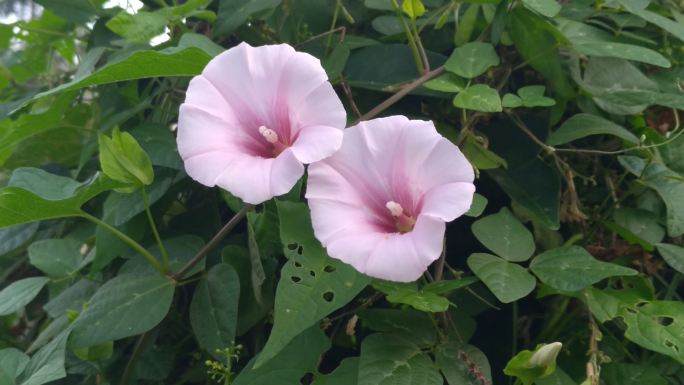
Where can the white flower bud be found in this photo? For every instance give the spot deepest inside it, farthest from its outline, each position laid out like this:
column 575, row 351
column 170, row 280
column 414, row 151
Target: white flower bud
column 546, row 355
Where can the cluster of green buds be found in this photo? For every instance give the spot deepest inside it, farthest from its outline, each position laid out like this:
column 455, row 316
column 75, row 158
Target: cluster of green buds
column 221, row 371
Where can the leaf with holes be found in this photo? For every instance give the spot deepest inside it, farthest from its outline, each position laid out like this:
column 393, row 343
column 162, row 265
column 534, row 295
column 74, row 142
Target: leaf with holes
column 312, row 285
column 389, row 359
column 214, row 308
column 572, row 268
column 656, row 325
column 503, row 234
column 506, row 280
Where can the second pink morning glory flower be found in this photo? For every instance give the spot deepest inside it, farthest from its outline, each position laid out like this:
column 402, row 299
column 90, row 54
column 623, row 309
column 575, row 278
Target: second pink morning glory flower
column 254, row 117
column 381, row 202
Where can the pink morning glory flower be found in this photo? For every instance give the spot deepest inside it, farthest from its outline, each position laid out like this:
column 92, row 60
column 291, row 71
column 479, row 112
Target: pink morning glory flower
column 381, row 202
column 253, row 118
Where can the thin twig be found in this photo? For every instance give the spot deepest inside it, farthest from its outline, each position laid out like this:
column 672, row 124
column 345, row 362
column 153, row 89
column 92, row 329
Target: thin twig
column 403, row 92
column 324, row 34
column 212, row 243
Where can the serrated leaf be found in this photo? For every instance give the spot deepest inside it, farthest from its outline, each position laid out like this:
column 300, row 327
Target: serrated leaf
column 125, row 306
column 312, row 285
column 472, row 59
column 214, row 309
column 503, row 234
column 388, row 359
column 572, row 268
column 19, row 293
column 583, row 125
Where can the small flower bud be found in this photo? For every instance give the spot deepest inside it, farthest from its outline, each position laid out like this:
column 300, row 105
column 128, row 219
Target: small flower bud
column 546, row 355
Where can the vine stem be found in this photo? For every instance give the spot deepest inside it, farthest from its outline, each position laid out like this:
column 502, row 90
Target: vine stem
column 137, row 350
column 126, row 239
column 212, row 243
column 400, row 94
column 162, row 249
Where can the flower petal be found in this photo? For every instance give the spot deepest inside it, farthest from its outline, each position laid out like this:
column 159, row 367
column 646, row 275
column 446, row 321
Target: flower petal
column 405, row 257
column 448, row 201
column 200, row 131
column 256, row 180
column 317, row 142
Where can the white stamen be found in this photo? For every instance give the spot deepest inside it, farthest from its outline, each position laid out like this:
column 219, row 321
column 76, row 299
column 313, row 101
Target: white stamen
column 270, row 135
column 394, row 208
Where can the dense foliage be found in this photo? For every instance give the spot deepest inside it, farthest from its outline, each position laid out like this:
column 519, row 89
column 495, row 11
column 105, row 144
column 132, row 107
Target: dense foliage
column 116, row 268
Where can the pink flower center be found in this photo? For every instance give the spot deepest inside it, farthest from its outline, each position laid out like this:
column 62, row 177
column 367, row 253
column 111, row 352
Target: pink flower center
column 272, row 137
column 404, row 223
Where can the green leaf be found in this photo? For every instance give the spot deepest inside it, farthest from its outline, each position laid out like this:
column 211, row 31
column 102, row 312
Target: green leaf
column 408, row 294
column 47, row 364
column 533, row 96
column 621, row 51
column 558, row 377
column 56, row 257
column 79, row 11
column 125, row 306
column 503, row 234
column 451, row 357
column 673, row 255
column 537, row 42
column 446, row 83
column 234, row 13
column 621, row 373
column 638, row 226
column 572, row 268
column 443, row 287
column 12, row 363
column 299, row 357
column 180, row 249
column 187, row 59
column 13, row 237
column 414, row 325
column 583, row 125
column 669, row 25
column 666, row 183
column 214, row 309
column 479, row 156
column 548, row 8
column 478, row 206
column 140, row 27
column 47, row 196
column 388, row 359
column 19, row 293
column 335, row 62
column 312, row 285
column 345, row 374
column 479, row 97
column 472, row 60
column 605, row 303
column 656, row 325
column 413, row 8
column 123, row 160
column 160, row 144
column 511, row 101
column 508, row 281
